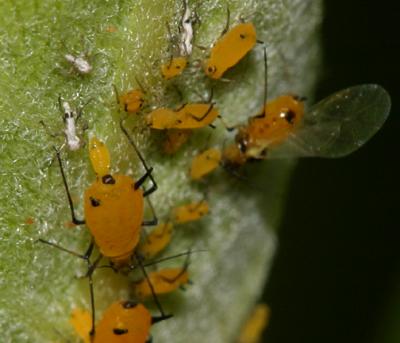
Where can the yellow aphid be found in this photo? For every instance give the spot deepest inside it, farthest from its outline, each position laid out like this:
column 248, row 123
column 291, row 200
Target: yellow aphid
column 114, row 215
column 163, row 281
column 230, row 49
column 174, row 139
column 132, row 101
column 99, row 157
column 81, row 320
column 205, row 163
column 174, row 67
column 253, row 328
column 278, row 119
column 156, row 241
column 190, row 116
column 190, row 212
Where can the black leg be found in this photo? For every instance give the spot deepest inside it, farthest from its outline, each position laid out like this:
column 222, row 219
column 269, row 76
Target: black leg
column 154, row 220
column 71, row 205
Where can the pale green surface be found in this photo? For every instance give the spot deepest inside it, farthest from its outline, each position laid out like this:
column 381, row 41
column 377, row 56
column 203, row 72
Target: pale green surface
column 38, row 285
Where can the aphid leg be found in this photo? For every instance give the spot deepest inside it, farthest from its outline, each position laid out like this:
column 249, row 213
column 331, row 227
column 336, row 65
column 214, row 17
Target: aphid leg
column 157, row 302
column 80, row 110
column 154, row 220
column 71, row 204
column 91, row 267
column 140, row 85
column 228, row 18
column 226, row 126
column 48, row 130
column 149, row 171
column 204, row 115
column 184, row 269
column 155, row 262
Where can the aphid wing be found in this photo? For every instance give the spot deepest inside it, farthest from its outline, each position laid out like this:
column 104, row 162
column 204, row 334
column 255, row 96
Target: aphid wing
column 339, row 124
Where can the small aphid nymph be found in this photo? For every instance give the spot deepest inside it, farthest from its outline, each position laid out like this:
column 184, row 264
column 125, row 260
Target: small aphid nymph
column 70, row 116
column 185, row 45
column 79, row 63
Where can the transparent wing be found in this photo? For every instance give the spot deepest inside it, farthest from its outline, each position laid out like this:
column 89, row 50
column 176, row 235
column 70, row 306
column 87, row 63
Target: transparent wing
column 339, row 124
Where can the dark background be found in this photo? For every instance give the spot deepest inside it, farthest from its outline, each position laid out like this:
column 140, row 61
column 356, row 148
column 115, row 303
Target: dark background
column 338, row 265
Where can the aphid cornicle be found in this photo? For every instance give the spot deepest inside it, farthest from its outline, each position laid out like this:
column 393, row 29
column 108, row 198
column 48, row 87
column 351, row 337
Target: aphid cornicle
column 230, row 48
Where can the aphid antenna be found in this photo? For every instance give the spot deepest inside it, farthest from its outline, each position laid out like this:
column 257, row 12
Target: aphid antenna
column 70, row 202
column 139, row 84
column 156, row 300
column 168, row 258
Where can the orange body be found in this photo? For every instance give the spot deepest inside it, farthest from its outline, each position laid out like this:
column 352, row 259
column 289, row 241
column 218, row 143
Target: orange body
column 190, row 116
column 205, row 163
column 114, row 215
column 99, row 157
column 174, row 139
column 163, row 281
column 253, row 328
column 156, row 241
column 190, row 212
column 81, row 320
column 230, row 49
column 278, row 119
column 174, row 67
column 124, row 322
column 132, row 101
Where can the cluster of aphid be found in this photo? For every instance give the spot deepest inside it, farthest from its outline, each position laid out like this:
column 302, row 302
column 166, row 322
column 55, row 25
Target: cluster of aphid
column 334, row 127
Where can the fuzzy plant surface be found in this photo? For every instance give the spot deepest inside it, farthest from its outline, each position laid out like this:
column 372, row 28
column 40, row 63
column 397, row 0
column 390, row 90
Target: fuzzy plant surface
column 125, row 41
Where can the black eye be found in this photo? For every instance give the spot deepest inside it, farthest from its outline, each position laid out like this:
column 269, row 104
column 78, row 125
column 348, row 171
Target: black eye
column 211, row 69
column 120, row 331
column 242, row 36
column 129, row 304
column 290, row 116
column 108, row 180
column 94, row 202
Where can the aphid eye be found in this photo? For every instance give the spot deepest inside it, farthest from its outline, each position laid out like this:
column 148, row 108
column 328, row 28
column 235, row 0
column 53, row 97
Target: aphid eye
column 242, row 147
column 120, row 331
column 290, row 116
column 129, row 304
column 178, row 67
column 94, row 202
column 242, row 36
column 211, row 69
column 108, row 180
